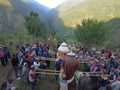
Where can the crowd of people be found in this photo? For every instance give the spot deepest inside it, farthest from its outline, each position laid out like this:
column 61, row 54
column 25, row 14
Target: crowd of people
column 28, row 59
column 105, row 61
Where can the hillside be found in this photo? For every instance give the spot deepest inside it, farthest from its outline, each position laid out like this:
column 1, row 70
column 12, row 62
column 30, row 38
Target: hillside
column 99, row 9
column 62, row 19
column 108, row 11
column 12, row 14
column 68, row 4
column 53, row 15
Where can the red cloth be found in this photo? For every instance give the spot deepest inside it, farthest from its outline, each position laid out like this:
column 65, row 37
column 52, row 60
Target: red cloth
column 28, row 56
column 93, row 67
column 1, row 53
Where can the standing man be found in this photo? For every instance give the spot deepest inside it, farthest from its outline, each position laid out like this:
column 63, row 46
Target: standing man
column 15, row 64
column 57, row 65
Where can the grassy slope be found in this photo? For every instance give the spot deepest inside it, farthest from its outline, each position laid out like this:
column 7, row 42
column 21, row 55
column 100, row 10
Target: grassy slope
column 68, row 4
column 99, row 9
column 54, row 18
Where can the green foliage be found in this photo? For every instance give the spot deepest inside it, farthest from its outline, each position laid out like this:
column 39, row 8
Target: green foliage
column 34, row 25
column 91, row 32
column 53, row 33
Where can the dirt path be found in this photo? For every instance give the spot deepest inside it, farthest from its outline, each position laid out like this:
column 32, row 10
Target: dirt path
column 6, row 72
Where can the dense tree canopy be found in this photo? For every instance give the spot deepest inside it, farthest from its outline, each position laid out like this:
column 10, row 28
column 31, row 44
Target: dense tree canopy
column 34, row 25
column 91, row 32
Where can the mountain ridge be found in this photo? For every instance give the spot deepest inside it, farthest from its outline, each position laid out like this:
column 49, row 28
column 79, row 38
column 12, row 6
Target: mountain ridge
column 12, row 13
column 97, row 9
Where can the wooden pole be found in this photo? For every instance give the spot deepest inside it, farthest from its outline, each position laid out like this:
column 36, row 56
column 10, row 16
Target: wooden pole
column 47, row 73
column 49, row 70
column 59, row 73
column 54, row 71
column 53, row 59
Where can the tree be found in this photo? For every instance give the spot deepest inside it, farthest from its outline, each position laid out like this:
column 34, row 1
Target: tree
column 34, row 25
column 91, row 32
column 53, row 33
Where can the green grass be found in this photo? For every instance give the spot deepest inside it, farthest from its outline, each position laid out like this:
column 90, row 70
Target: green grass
column 49, row 83
column 42, row 84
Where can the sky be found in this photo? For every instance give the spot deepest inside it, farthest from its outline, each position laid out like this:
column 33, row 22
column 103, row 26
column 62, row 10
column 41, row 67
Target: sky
column 50, row 3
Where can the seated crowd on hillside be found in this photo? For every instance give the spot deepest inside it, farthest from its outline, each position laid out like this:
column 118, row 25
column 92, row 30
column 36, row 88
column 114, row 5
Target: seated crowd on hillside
column 30, row 58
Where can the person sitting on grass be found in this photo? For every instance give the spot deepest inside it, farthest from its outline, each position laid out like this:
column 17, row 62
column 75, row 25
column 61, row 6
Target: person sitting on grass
column 10, row 85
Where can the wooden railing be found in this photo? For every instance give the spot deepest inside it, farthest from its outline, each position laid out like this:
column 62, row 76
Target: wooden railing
column 53, row 59
column 54, row 72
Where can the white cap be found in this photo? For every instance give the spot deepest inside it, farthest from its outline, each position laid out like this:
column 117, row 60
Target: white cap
column 97, row 60
column 71, row 54
column 25, row 64
column 63, row 48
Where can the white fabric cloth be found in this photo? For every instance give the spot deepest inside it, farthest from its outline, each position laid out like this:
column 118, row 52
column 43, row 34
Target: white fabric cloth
column 37, row 65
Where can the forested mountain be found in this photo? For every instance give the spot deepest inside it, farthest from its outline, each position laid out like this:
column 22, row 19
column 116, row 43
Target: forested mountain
column 56, row 22
column 68, row 15
column 12, row 13
column 63, row 18
column 99, row 9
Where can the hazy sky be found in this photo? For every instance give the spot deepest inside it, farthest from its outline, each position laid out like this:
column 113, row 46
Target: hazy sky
column 50, row 3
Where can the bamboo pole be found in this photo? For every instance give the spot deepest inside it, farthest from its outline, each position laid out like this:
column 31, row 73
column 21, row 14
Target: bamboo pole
column 53, row 59
column 49, row 70
column 46, row 70
column 48, row 73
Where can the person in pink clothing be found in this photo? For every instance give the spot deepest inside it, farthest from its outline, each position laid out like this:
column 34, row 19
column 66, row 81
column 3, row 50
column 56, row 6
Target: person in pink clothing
column 2, row 56
column 32, row 77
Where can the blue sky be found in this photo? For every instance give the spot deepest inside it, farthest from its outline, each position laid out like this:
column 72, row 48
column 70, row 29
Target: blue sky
column 50, row 3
